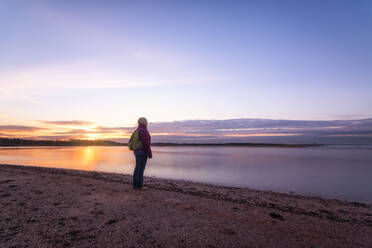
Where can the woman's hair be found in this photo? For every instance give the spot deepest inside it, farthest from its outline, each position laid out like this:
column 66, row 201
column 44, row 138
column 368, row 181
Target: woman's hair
column 142, row 121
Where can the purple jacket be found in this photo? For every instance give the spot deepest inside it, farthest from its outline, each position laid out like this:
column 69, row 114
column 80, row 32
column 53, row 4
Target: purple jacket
column 145, row 138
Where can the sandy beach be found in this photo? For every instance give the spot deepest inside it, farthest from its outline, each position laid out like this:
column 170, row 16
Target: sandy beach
column 46, row 207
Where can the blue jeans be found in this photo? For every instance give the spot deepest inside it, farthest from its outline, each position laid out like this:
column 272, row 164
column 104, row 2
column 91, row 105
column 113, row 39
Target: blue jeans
column 141, row 160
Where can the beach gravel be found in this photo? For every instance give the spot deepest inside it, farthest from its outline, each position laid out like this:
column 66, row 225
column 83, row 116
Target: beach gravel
column 47, row 207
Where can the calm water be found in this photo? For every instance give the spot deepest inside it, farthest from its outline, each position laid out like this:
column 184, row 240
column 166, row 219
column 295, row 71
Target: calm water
column 344, row 173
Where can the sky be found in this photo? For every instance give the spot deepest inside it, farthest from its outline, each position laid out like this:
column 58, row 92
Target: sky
column 90, row 69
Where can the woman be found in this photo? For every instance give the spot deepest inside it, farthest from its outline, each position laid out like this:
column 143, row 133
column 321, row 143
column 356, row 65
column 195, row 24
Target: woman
column 142, row 153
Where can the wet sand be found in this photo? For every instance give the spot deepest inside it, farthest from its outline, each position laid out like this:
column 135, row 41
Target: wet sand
column 46, row 207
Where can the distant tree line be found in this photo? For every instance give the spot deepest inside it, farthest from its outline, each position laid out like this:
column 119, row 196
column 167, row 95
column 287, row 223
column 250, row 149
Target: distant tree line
column 238, row 144
column 25, row 142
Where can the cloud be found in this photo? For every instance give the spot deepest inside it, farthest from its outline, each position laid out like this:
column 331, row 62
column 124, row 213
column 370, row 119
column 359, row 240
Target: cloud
column 206, row 131
column 19, row 96
column 68, row 123
column 6, row 135
column 105, row 73
column 59, row 137
column 111, row 129
column 76, row 75
column 252, row 127
column 263, row 130
column 97, row 133
column 73, row 132
column 263, row 126
column 16, row 128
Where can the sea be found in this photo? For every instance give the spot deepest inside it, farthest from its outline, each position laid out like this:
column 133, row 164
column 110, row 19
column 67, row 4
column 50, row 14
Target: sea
column 340, row 172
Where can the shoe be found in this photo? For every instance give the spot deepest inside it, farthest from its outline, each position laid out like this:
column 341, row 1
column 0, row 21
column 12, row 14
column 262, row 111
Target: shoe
column 142, row 188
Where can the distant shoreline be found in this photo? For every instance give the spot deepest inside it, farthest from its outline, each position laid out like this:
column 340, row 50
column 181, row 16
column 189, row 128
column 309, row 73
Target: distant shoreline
column 6, row 142
column 239, row 145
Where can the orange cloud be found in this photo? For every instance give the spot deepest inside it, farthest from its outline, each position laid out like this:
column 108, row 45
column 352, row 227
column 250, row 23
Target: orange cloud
column 16, row 128
column 68, row 123
column 240, row 130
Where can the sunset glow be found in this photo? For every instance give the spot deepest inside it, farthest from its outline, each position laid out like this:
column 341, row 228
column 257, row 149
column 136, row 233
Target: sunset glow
column 88, row 70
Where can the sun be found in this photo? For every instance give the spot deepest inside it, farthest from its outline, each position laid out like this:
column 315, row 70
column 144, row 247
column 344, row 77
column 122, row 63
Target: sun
column 91, row 136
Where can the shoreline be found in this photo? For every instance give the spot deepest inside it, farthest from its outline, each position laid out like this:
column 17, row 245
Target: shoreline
column 128, row 178
column 181, row 185
column 175, row 199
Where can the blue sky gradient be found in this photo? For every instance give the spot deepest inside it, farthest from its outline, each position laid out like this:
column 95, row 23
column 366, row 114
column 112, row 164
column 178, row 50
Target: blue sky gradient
column 110, row 62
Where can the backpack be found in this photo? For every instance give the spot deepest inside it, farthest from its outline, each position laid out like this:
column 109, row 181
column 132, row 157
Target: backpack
column 134, row 141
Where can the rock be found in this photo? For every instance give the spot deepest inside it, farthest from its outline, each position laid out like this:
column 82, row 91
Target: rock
column 228, row 231
column 276, row 216
column 112, row 221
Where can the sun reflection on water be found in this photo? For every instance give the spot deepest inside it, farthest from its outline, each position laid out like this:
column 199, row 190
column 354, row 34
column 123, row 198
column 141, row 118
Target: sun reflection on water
column 88, row 157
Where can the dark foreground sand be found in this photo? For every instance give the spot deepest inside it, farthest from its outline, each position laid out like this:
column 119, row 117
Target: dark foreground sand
column 43, row 207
